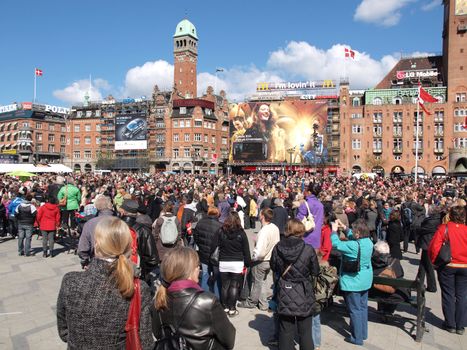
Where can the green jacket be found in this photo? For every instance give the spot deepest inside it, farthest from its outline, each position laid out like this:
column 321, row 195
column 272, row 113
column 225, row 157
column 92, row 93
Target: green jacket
column 73, row 196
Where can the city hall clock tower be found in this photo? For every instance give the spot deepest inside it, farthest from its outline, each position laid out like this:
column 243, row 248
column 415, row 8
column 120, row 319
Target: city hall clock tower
column 185, row 59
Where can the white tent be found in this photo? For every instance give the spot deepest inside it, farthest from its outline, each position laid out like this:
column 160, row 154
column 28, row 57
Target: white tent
column 50, row 168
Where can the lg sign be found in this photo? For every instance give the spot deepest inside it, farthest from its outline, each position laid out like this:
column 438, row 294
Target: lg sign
column 407, row 74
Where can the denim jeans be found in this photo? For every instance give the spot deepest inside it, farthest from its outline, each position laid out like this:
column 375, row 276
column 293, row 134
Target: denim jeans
column 24, row 234
column 206, row 273
column 357, row 305
column 259, row 290
column 316, row 330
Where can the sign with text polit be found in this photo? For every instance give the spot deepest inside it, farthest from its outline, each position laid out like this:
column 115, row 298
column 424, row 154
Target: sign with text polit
column 425, row 73
column 56, row 109
column 8, row 108
column 300, row 85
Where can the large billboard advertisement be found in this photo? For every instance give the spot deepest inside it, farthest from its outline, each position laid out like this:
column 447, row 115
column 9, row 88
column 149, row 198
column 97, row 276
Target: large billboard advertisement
column 131, row 131
column 278, row 132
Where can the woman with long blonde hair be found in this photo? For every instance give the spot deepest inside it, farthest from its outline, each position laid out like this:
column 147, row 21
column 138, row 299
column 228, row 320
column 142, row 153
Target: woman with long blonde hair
column 196, row 315
column 93, row 305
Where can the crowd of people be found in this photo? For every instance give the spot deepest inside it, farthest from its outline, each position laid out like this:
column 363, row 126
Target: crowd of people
column 183, row 238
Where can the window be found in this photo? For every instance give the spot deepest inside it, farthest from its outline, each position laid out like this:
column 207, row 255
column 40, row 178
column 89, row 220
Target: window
column 76, row 141
column 460, row 142
column 51, row 138
column 160, row 152
column 175, row 137
column 98, row 127
column 459, row 127
column 87, row 154
column 76, row 154
column 397, row 101
column 208, row 111
column 439, row 144
column 98, row 113
column 38, row 125
column 77, row 128
column 187, row 137
column 198, row 123
column 213, row 138
column 188, row 123
column 205, row 138
column 175, row 152
column 51, row 127
column 39, row 148
column 88, row 114
column 460, row 112
column 357, row 129
column 377, row 101
column 377, row 144
column 62, row 149
column 205, row 125
column 356, row 101
column 182, row 110
column 397, row 130
column 62, row 139
column 397, row 117
column 51, row 148
column 87, row 127
column 460, row 97
column 175, row 123
column 378, row 117
column 87, row 140
column 182, row 123
column 356, row 116
column 39, row 136
column 397, row 157
column 63, row 128
column 397, row 143
column 377, row 130
column 197, row 137
column 79, row 114
column 186, row 152
column 160, row 138
column 356, row 144
column 420, row 144
column 224, row 140
column 225, row 128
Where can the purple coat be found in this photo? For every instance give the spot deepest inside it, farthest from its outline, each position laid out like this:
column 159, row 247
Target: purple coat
column 312, row 238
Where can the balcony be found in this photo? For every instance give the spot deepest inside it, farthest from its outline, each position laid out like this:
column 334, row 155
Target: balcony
column 397, row 150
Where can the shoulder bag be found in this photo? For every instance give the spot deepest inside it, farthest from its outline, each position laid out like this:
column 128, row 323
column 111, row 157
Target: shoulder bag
column 388, row 272
column 444, row 255
column 133, row 342
column 352, row 266
column 62, row 202
column 309, row 220
column 171, row 339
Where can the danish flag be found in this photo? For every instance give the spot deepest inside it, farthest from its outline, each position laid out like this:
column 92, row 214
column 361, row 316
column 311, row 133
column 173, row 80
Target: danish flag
column 423, row 97
column 38, row 72
column 349, row 53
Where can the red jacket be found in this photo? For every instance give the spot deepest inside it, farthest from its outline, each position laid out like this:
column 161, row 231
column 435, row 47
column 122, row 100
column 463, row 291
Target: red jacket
column 48, row 217
column 326, row 245
column 134, row 246
column 457, row 234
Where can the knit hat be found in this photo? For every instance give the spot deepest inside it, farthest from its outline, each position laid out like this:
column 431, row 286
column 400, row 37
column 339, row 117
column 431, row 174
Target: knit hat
column 130, row 206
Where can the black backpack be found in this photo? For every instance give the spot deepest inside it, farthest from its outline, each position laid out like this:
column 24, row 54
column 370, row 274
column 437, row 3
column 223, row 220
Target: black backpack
column 171, row 339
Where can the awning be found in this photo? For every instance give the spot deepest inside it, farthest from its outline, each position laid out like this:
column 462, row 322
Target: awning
column 50, row 168
column 438, row 170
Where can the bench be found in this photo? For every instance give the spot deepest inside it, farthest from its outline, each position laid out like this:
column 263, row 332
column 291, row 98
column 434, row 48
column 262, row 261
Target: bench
column 417, row 301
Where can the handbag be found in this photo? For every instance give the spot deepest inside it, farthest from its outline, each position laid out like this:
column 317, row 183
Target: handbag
column 352, row 266
column 388, row 272
column 214, row 258
column 62, row 202
column 444, row 255
column 309, row 220
column 133, row 342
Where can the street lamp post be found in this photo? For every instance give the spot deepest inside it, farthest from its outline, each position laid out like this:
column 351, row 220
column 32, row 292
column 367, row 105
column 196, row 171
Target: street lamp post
column 290, row 151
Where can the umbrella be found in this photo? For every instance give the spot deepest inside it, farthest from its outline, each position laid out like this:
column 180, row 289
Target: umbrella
column 21, row 173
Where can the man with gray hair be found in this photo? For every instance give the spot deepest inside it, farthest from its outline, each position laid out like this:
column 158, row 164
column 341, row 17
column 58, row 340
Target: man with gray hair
column 103, row 205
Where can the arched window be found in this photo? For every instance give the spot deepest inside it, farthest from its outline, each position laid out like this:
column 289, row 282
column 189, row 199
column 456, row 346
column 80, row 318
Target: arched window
column 397, row 100
column 356, row 101
column 378, row 101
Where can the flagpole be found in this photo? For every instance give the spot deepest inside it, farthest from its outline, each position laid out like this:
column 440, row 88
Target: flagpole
column 35, row 77
column 417, row 128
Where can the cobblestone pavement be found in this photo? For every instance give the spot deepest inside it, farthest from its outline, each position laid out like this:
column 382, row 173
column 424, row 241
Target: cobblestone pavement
column 29, row 288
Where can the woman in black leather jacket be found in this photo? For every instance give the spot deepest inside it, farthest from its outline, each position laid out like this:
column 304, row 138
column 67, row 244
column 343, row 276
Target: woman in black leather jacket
column 294, row 262
column 204, row 324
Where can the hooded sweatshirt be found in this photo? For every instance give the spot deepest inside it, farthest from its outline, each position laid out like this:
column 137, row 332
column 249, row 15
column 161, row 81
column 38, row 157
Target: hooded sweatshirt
column 48, row 217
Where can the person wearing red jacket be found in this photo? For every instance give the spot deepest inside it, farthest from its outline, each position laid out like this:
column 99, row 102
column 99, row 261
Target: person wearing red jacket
column 453, row 276
column 48, row 220
column 326, row 245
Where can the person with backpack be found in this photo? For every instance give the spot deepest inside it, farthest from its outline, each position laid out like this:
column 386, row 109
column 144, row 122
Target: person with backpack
column 412, row 216
column 184, row 316
column 167, row 231
column 294, row 263
column 13, row 222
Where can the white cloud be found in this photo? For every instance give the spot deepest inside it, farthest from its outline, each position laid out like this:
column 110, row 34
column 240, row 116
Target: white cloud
column 140, row 80
column 75, row 92
column 382, row 12
column 300, row 60
column 431, row 5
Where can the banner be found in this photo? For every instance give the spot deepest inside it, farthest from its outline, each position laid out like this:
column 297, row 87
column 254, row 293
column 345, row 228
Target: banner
column 282, row 131
column 131, row 131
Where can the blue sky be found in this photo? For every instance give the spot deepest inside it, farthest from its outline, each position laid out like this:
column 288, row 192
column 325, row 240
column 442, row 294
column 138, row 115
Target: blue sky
column 127, row 46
